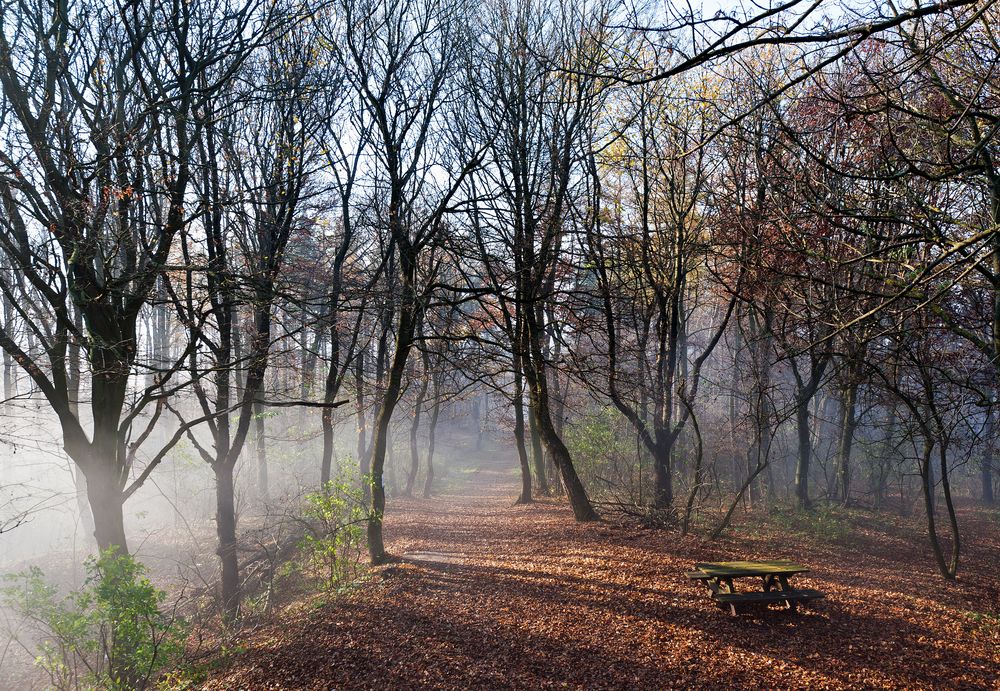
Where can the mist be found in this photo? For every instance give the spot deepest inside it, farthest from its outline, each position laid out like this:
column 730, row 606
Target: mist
column 290, row 292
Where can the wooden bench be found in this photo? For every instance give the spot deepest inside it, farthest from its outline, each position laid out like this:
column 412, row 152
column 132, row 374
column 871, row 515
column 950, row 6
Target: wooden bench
column 793, row 595
column 719, row 578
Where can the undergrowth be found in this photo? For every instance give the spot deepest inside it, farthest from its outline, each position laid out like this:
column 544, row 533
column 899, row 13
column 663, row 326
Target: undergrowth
column 826, row 522
column 113, row 633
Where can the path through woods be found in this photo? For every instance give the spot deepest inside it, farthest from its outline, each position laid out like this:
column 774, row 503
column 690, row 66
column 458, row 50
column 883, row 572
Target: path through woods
column 495, row 596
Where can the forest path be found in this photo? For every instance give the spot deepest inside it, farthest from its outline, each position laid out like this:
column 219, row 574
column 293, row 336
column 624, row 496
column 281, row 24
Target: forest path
column 494, row 595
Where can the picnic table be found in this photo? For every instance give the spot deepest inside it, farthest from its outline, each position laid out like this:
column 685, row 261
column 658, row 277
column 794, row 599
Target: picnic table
column 774, row 575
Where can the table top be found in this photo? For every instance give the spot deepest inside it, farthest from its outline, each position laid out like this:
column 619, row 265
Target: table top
column 751, row 568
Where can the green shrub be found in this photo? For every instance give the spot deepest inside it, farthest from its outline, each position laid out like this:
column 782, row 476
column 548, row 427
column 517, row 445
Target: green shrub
column 336, row 517
column 824, row 522
column 987, row 622
column 604, row 454
column 110, row 634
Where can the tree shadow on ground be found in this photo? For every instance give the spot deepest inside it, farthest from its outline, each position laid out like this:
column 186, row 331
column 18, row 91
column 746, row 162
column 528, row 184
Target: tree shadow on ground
column 453, row 625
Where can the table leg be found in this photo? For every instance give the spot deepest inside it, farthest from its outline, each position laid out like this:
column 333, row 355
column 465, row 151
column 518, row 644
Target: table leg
column 731, row 589
column 721, row 585
column 783, row 580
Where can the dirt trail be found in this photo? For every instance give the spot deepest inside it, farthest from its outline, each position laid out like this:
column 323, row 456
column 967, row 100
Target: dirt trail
column 493, row 595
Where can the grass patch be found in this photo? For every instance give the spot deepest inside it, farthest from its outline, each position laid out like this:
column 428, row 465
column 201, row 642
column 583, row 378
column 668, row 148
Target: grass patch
column 992, row 514
column 193, row 675
column 986, row 622
column 826, row 522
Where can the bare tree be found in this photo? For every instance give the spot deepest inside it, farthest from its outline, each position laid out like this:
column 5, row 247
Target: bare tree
column 401, row 58
column 100, row 130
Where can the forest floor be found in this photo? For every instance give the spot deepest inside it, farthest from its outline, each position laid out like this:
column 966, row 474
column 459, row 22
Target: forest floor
column 490, row 595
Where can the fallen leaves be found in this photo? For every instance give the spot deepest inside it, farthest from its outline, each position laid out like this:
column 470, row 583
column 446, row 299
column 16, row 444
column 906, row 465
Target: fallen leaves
column 524, row 597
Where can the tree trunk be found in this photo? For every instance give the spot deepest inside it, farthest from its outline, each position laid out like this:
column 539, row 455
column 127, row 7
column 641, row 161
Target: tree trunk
column 696, row 480
column 73, row 395
column 8, row 361
column 556, row 398
column 390, row 397
column 805, row 451
column 736, row 501
column 159, row 337
column 522, row 451
column 987, row 470
column 987, row 478
column 83, row 501
column 927, row 485
column 555, row 477
column 104, row 459
column 537, row 454
column 758, row 459
column 759, row 453
column 309, row 357
column 106, row 500
column 331, row 388
column 578, row 499
column 477, row 415
column 326, row 461
column 431, row 433
column 663, row 488
column 952, row 570
column 881, row 488
column 994, row 351
column 847, row 427
column 411, row 476
column 733, row 402
column 359, row 386
column 261, row 450
column 8, row 376
column 225, row 525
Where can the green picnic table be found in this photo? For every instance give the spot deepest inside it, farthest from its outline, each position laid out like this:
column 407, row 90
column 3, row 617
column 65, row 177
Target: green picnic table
column 720, row 578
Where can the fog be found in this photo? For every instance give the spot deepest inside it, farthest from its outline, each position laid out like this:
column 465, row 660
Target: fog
column 174, row 510
column 170, row 520
column 266, row 268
